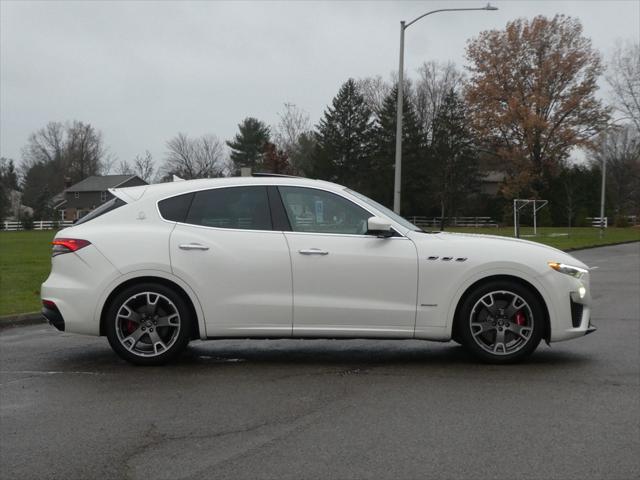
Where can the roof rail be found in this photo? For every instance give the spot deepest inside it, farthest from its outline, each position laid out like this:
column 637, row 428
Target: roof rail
column 260, row 174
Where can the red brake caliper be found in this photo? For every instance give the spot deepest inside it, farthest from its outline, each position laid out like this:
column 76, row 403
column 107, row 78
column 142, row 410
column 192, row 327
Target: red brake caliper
column 520, row 318
column 131, row 327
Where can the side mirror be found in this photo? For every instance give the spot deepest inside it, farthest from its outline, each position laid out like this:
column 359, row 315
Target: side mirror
column 379, row 226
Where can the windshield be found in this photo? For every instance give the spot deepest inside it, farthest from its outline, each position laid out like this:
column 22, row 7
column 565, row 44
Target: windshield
column 389, row 213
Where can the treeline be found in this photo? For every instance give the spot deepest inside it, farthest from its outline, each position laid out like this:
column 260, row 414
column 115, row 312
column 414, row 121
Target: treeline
column 524, row 106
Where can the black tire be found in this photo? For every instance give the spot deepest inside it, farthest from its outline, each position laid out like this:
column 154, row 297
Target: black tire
column 506, row 313
column 156, row 308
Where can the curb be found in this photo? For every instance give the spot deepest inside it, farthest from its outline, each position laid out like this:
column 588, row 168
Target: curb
column 31, row 318
column 590, row 247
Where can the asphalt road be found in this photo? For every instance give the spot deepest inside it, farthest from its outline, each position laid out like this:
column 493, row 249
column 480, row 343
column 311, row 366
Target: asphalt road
column 331, row 409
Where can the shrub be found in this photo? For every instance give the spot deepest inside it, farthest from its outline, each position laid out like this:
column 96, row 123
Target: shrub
column 581, row 218
column 621, row 221
column 27, row 221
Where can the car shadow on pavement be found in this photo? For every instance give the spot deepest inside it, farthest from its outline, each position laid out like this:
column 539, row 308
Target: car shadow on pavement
column 356, row 352
column 313, row 354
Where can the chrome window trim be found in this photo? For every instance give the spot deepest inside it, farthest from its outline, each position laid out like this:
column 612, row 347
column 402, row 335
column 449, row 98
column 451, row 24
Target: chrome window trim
column 359, row 203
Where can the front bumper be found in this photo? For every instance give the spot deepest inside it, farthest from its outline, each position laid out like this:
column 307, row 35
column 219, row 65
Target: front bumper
column 569, row 309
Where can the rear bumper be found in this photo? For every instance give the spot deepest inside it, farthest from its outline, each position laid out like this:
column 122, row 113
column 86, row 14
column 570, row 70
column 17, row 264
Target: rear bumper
column 74, row 286
column 54, row 317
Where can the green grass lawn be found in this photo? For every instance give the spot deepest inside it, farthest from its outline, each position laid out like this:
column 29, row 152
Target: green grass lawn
column 25, row 261
column 25, row 257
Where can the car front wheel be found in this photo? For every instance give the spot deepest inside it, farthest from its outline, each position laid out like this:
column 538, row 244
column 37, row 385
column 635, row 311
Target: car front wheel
column 148, row 324
column 501, row 322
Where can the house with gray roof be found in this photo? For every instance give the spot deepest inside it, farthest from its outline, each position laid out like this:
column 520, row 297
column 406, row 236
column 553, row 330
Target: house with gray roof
column 79, row 199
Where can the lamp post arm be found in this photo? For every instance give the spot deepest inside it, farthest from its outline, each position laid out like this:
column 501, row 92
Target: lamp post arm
column 407, row 25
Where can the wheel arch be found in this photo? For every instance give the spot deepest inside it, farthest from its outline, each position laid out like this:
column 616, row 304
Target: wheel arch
column 497, row 277
column 190, row 300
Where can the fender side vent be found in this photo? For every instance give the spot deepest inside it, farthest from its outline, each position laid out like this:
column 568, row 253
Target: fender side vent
column 446, row 259
column 461, row 259
column 432, row 258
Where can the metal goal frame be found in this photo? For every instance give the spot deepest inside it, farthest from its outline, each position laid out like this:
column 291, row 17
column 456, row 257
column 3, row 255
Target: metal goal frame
column 519, row 204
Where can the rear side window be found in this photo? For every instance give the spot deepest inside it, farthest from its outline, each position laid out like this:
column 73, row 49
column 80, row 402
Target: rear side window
column 101, row 210
column 175, row 208
column 233, row 207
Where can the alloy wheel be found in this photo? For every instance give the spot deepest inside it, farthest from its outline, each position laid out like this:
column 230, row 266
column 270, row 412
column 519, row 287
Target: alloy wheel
column 147, row 324
column 501, row 322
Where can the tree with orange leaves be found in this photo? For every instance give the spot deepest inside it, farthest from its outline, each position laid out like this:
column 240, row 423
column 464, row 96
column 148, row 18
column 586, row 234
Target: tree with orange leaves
column 532, row 97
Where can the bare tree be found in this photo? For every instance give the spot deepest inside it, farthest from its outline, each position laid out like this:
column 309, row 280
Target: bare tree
column 202, row 157
column 123, row 168
column 290, row 134
column 435, row 81
column 73, row 150
column 375, row 90
column 619, row 147
column 144, row 167
column 45, row 145
column 624, row 78
column 84, row 152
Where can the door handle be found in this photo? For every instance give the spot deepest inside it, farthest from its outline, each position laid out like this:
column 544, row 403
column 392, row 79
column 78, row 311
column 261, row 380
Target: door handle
column 313, row 251
column 193, row 246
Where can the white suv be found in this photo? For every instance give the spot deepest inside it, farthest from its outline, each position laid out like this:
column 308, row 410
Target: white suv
column 276, row 257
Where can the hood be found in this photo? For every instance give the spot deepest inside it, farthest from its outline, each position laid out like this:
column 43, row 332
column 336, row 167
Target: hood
column 494, row 245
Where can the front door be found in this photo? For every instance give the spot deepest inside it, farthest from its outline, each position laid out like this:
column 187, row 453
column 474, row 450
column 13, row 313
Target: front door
column 346, row 283
column 239, row 267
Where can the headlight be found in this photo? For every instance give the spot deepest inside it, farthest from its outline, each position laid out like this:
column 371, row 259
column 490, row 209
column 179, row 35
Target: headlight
column 571, row 270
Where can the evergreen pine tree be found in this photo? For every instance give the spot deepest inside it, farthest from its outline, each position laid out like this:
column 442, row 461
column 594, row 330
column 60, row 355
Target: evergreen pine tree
column 454, row 171
column 247, row 147
column 344, row 138
column 414, row 166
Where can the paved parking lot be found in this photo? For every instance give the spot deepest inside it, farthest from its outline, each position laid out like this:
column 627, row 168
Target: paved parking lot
column 331, row 409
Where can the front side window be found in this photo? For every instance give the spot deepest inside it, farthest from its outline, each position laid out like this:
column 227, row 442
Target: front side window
column 312, row 210
column 232, row 207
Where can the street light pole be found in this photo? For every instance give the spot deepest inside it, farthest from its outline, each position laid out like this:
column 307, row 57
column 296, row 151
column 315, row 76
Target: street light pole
column 399, row 115
column 604, row 177
column 398, row 170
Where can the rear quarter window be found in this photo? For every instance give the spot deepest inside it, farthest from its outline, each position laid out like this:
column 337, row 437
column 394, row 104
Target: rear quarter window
column 175, row 208
column 101, row 210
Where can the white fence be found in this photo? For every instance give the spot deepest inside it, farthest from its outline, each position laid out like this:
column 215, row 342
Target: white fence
column 454, row 221
column 595, row 221
column 37, row 225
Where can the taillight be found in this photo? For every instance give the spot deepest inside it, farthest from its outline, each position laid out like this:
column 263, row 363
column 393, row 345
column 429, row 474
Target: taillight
column 49, row 304
column 67, row 245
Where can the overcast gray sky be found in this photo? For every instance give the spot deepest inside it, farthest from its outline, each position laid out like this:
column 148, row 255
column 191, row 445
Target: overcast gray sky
column 143, row 71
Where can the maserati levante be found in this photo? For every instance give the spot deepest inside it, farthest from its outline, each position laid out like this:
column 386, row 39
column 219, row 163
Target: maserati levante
column 283, row 257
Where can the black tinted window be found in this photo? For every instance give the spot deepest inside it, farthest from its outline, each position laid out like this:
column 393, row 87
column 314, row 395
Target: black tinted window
column 175, row 208
column 232, row 207
column 101, row 210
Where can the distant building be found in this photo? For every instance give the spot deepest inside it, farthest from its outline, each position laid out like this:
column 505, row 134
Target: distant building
column 16, row 209
column 491, row 181
column 79, row 199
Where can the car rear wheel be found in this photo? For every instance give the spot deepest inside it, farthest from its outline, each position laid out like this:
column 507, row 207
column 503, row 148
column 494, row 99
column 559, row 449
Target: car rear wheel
column 148, row 324
column 501, row 322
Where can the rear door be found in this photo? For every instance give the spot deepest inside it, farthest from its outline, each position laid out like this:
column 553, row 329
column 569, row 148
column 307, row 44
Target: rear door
column 226, row 250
